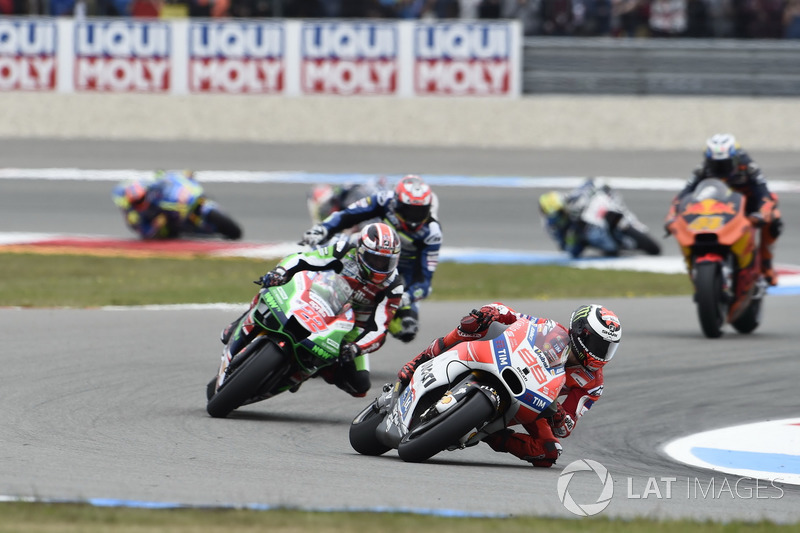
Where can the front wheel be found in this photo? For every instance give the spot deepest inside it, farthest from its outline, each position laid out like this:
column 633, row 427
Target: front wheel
column 224, row 224
column 246, row 380
column 445, row 430
column 711, row 309
column 363, row 438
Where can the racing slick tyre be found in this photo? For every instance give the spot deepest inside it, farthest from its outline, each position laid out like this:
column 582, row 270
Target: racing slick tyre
column 224, row 225
column 246, row 380
column 711, row 309
column 750, row 318
column 644, row 242
column 362, row 432
column 433, row 436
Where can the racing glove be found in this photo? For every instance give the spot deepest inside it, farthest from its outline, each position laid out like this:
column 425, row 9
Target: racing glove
column 405, row 373
column 478, row 320
column 561, row 422
column 348, row 351
column 272, row 278
column 315, row 235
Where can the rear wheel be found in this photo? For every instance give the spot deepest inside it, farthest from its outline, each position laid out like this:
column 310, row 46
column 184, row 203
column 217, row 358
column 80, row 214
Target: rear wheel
column 363, row 438
column 224, row 225
column 711, row 309
column 644, row 242
column 429, row 438
column 246, row 380
column 750, row 318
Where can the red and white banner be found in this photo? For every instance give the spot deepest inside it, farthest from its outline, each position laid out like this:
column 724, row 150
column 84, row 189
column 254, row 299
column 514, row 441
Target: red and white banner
column 236, row 57
column 348, row 58
column 463, row 59
column 122, row 56
column 27, row 54
column 261, row 56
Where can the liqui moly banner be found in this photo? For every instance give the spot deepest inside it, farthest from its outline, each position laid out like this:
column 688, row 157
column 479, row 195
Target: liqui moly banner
column 236, row 57
column 463, row 59
column 261, row 56
column 27, row 54
column 349, row 58
column 122, row 56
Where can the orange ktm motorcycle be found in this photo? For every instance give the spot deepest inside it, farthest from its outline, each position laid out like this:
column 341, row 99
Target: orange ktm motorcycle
column 721, row 249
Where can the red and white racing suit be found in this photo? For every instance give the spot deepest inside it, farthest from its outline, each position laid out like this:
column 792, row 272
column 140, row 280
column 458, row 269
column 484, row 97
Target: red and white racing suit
column 540, row 446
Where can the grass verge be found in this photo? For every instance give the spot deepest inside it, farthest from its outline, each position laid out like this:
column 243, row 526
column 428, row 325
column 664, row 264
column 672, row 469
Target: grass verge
column 51, row 518
column 36, row 280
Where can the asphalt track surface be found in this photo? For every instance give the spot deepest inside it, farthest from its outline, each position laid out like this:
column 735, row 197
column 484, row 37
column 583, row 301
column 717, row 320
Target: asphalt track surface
column 110, row 404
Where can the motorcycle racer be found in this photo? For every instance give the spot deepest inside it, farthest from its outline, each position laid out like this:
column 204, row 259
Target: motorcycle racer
column 587, row 345
column 368, row 261
column 411, row 210
column 157, row 209
column 561, row 214
column 725, row 159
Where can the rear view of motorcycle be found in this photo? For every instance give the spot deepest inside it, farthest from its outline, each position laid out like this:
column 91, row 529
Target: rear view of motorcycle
column 294, row 330
column 594, row 216
column 721, row 249
column 458, row 398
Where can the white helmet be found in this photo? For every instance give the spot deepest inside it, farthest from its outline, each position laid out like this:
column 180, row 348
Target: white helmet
column 722, row 152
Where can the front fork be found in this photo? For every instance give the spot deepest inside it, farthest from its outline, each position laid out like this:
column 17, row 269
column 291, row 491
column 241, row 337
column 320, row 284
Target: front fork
column 726, row 270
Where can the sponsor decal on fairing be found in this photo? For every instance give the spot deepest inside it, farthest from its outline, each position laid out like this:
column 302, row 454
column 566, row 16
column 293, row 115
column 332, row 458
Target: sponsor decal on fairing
column 348, row 58
column 122, row 56
column 27, row 55
column 462, row 59
column 236, row 57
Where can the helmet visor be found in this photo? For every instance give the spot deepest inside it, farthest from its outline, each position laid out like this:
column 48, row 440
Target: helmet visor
column 380, row 263
column 721, row 168
column 413, row 214
column 598, row 347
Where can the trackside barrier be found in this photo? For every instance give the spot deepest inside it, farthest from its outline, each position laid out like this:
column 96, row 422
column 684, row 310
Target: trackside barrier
column 291, row 58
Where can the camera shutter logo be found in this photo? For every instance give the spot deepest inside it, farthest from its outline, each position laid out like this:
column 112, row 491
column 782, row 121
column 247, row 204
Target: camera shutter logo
column 587, row 509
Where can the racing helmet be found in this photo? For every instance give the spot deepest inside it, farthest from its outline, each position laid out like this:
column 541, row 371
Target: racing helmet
column 594, row 335
column 551, row 203
column 413, row 202
column 378, row 252
column 135, row 193
column 722, row 155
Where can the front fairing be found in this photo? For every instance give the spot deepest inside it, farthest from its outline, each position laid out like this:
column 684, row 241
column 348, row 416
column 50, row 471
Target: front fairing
column 514, row 360
column 312, row 311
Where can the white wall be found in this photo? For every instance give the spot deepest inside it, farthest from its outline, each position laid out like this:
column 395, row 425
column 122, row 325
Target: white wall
column 650, row 123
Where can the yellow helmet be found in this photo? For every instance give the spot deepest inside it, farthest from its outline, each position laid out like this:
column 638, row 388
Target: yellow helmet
column 551, row 203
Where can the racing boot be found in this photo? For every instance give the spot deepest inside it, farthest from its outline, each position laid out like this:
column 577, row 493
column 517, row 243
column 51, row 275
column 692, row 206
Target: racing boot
column 768, row 239
column 769, row 234
column 541, row 451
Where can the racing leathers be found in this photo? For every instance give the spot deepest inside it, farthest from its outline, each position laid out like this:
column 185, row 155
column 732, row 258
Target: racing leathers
column 373, row 304
column 540, row 446
column 419, row 255
column 161, row 213
column 761, row 204
column 572, row 233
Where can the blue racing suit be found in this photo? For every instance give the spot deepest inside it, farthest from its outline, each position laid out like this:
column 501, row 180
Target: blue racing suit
column 419, row 255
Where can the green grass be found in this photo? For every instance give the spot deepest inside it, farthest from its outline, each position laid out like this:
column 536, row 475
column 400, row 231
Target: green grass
column 46, row 518
column 35, row 280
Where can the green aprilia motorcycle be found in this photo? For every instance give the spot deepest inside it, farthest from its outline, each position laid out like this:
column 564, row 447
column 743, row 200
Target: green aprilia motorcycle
column 294, row 330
